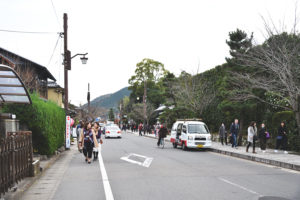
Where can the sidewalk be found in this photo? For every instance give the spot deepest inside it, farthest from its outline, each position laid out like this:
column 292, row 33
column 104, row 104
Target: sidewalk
column 27, row 182
column 288, row 161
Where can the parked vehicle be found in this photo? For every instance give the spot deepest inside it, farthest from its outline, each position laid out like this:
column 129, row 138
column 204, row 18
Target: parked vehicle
column 190, row 134
column 112, row 131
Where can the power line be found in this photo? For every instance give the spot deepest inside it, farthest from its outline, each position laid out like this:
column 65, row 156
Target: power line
column 53, row 50
column 29, row 32
column 54, row 10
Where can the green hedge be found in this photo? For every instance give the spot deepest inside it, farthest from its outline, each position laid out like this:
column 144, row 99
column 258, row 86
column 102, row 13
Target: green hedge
column 45, row 119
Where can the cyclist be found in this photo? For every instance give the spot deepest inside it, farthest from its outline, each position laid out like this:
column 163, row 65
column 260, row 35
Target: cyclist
column 162, row 133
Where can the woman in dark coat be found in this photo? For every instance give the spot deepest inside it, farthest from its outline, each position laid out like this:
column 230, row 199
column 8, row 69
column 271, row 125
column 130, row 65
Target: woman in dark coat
column 281, row 140
column 262, row 137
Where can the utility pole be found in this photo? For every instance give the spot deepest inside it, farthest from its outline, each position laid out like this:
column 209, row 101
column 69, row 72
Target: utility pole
column 88, row 98
column 66, row 61
column 145, row 102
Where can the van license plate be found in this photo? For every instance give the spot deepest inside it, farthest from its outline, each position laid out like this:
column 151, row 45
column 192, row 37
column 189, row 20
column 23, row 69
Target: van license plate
column 200, row 145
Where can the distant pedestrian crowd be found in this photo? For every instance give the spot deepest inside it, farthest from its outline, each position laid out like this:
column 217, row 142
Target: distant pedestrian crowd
column 254, row 135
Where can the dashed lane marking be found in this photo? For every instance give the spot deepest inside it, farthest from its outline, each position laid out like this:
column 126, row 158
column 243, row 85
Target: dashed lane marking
column 239, row 186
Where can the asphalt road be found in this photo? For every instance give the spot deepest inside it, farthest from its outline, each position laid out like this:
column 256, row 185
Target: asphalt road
column 148, row 172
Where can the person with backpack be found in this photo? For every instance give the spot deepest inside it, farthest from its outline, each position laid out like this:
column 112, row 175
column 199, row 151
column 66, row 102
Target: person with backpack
column 281, row 140
column 97, row 131
column 88, row 140
column 252, row 136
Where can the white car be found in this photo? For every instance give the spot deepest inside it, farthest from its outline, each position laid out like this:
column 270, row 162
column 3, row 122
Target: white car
column 190, row 134
column 113, row 131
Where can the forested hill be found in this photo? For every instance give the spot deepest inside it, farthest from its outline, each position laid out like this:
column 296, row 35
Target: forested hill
column 110, row 100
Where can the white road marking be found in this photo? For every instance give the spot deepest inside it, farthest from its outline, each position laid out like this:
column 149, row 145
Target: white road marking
column 147, row 162
column 107, row 188
column 239, row 186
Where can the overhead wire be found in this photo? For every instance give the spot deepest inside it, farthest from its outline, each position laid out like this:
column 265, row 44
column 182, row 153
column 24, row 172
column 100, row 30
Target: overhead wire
column 54, row 10
column 59, row 36
column 26, row 32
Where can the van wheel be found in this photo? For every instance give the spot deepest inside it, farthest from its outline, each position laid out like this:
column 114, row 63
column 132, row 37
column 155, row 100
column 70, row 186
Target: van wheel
column 175, row 145
column 184, row 148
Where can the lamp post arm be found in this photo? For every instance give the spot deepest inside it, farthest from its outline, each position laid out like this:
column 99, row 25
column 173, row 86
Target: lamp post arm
column 79, row 54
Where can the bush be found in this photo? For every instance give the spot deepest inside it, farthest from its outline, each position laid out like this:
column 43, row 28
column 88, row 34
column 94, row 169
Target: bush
column 45, row 119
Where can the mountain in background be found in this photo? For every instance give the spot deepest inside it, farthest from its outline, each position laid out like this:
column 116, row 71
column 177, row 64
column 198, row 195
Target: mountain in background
column 110, row 100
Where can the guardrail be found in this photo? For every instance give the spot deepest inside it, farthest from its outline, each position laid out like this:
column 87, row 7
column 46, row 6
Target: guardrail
column 15, row 159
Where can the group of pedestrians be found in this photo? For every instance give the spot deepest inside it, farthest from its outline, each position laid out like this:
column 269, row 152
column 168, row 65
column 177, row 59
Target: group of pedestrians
column 89, row 139
column 254, row 135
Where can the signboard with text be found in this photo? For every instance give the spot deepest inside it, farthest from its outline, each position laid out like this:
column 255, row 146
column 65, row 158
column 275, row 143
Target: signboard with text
column 68, row 132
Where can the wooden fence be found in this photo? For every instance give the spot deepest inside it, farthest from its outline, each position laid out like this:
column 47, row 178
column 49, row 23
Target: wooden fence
column 15, row 159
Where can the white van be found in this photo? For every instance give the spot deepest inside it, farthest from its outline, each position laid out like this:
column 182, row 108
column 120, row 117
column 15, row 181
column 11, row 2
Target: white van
column 190, row 134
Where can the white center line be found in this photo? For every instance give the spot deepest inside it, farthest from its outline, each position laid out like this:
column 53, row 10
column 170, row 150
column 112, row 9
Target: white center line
column 107, row 188
column 239, row 186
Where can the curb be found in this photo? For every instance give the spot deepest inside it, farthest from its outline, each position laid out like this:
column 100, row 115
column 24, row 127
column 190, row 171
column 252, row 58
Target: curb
column 249, row 157
column 30, row 181
column 257, row 159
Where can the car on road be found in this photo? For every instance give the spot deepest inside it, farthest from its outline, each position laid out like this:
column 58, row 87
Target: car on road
column 190, row 133
column 113, row 131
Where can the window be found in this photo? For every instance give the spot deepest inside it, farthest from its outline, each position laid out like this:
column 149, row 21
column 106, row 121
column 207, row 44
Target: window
column 184, row 128
column 198, row 129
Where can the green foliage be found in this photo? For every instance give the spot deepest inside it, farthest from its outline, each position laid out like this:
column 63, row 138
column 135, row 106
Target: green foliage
column 45, row 119
column 284, row 116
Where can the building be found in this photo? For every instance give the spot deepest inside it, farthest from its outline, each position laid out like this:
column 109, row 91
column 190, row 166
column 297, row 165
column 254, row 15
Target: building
column 34, row 76
column 56, row 93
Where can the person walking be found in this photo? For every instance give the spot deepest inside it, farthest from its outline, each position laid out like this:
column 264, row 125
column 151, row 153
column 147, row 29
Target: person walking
column 263, row 138
column 222, row 134
column 234, row 130
column 88, row 140
column 162, row 133
column 252, row 136
column 281, row 140
column 97, row 131
column 140, row 129
column 79, row 127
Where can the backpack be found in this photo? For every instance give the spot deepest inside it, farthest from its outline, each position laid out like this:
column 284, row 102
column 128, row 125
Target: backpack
column 88, row 136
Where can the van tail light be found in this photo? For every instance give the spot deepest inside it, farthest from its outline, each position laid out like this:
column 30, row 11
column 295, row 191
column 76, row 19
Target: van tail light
column 107, row 132
column 119, row 132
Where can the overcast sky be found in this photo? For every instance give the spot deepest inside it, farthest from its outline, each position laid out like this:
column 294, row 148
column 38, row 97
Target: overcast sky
column 117, row 34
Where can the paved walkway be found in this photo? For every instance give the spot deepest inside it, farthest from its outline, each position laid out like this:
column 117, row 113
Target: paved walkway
column 279, row 159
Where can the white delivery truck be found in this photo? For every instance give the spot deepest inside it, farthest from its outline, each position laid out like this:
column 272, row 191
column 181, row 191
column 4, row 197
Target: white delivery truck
column 190, row 133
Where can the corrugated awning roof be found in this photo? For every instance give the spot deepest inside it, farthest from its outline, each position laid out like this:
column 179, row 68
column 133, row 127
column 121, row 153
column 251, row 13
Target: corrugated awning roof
column 12, row 89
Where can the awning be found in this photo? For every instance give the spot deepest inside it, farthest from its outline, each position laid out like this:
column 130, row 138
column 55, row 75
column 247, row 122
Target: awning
column 12, row 89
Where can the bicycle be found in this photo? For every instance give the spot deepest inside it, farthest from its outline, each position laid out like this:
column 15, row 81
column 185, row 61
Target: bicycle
column 162, row 143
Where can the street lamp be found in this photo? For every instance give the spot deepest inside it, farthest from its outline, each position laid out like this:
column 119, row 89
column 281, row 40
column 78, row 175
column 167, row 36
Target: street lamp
column 83, row 58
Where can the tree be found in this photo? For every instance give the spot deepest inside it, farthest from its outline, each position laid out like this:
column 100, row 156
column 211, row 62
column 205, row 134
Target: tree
column 147, row 72
column 137, row 112
column 194, row 92
column 111, row 115
column 238, row 43
column 277, row 70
